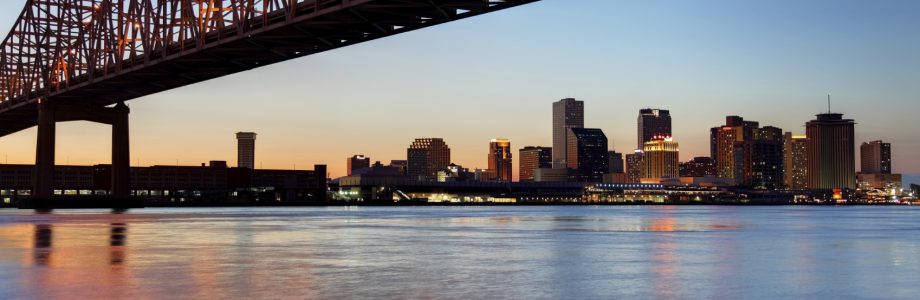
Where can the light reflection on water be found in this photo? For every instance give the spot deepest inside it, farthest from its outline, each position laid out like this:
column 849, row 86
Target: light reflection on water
column 463, row 252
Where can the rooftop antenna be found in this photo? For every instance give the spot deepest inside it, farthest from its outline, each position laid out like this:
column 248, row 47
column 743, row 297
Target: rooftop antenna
column 828, row 103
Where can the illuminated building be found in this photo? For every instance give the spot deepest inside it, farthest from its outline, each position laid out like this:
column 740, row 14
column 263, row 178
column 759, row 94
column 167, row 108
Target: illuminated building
column 500, row 159
column 795, row 168
column 698, row 167
column 427, row 156
column 729, row 146
column 662, row 158
column 635, row 167
column 616, row 162
column 766, row 162
column 587, row 154
column 653, row 123
column 875, row 171
column 532, row 158
column 831, row 151
column 567, row 113
column 246, row 150
column 357, row 162
column 875, row 157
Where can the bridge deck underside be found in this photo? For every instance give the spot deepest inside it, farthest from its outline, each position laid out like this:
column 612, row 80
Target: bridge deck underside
column 350, row 23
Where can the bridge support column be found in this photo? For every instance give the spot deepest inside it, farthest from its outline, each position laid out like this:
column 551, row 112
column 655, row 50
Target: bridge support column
column 43, row 182
column 121, row 168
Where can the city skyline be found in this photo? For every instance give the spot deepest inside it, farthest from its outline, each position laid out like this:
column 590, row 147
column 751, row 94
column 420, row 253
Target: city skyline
column 293, row 131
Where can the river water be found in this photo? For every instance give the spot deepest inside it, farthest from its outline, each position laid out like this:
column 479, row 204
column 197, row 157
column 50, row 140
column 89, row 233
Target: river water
column 533, row 252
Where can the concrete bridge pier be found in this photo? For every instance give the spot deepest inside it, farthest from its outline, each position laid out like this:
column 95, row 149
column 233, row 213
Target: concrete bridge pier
column 49, row 114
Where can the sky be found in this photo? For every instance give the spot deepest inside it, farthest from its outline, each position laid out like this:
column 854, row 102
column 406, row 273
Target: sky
column 496, row 76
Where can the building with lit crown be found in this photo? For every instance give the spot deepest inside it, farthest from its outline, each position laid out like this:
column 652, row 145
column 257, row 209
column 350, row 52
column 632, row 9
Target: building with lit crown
column 662, row 158
column 500, row 159
column 795, row 168
column 357, row 162
column 427, row 156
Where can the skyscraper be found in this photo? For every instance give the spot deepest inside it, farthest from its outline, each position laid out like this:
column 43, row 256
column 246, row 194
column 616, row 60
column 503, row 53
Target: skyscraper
column 567, row 113
column 246, row 150
column 426, row 157
column 532, row 158
column 875, row 157
column 653, row 123
column 662, row 158
column 616, row 162
column 587, row 154
column 357, row 162
column 765, row 170
column 875, row 170
column 795, row 168
column 500, row 159
column 635, row 167
column 732, row 153
column 831, row 151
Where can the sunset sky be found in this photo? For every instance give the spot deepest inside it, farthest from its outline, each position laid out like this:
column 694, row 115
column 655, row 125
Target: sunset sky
column 496, row 76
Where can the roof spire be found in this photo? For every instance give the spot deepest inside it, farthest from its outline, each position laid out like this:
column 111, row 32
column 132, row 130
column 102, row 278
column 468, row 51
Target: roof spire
column 828, row 103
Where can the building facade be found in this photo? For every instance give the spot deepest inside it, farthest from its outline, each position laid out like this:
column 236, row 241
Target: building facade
column 246, row 150
column 567, row 113
column 427, row 156
column 653, row 123
column 831, row 151
column 531, row 158
column 698, row 167
column 795, row 168
column 729, row 147
column 357, row 162
column 635, row 167
column 662, row 158
column 616, row 163
column 587, row 154
column 875, row 157
column 765, row 170
column 500, row 159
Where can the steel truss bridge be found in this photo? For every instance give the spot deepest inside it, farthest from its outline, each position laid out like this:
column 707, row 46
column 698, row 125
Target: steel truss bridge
column 67, row 60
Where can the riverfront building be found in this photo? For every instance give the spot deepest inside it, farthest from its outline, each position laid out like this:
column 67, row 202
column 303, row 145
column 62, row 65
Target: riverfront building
column 567, row 113
column 831, row 157
column 427, row 156
column 653, row 123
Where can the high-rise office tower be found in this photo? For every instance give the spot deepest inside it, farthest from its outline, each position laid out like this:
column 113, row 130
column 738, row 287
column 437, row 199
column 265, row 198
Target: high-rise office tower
column 635, row 167
column 765, row 169
column 616, row 162
column 357, row 162
column 875, row 157
column 426, row 157
column 795, row 168
column 732, row 148
column 662, row 158
column 567, row 113
column 500, row 159
column 587, row 154
column 246, row 150
column 831, row 151
column 653, row 123
column 532, row 158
